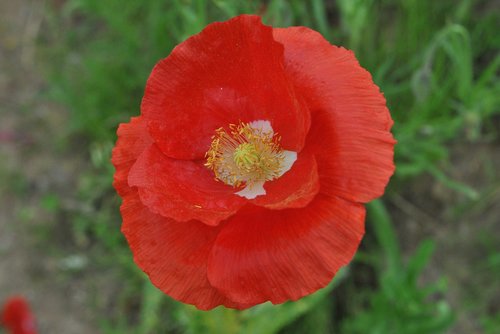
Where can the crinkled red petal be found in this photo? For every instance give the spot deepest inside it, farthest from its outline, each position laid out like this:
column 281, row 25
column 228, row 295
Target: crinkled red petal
column 182, row 189
column 133, row 139
column 232, row 71
column 294, row 189
column 350, row 121
column 284, row 255
column 173, row 254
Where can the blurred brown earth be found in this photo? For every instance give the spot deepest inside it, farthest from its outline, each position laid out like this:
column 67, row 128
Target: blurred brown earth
column 31, row 167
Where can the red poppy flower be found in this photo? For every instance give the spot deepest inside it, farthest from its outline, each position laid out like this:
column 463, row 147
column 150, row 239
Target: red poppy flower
column 243, row 179
column 17, row 316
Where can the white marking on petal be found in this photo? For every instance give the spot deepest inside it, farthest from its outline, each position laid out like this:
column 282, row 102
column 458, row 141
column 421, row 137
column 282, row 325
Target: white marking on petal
column 290, row 158
column 264, row 126
column 250, row 192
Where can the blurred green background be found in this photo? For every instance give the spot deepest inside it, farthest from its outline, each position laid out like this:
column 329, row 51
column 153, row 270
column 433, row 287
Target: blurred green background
column 72, row 70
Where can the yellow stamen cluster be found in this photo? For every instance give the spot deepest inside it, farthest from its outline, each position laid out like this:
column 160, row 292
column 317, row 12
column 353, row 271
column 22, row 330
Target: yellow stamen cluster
column 245, row 155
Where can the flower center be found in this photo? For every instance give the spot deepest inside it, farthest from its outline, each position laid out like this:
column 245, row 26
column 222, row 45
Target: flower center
column 246, row 156
column 249, row 153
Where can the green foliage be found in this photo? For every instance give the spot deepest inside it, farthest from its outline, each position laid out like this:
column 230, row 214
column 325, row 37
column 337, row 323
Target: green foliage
column 400, row 305
column 491, row 324
column 436, row 62
column 262, row 319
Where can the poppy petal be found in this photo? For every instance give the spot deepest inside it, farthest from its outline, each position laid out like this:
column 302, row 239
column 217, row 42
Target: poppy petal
column 230, row 72
column 295, row 188
column 133, row 138
column 280, row 255
column 182, row 189
column 350, row 120
column 175, row 265
column 173, row 254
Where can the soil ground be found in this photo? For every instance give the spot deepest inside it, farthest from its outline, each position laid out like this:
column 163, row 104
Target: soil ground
column 31, row 167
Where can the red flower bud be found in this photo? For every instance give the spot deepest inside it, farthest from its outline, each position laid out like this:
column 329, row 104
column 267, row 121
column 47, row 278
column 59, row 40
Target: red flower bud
column 17, row 317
